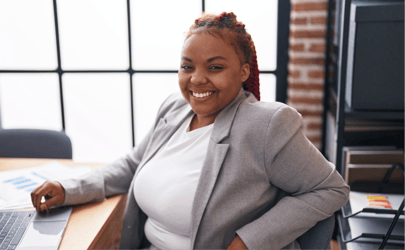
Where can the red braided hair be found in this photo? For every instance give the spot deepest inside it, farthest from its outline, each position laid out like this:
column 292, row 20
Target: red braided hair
column 227, row 27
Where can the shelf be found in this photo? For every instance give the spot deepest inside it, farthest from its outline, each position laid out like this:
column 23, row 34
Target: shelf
column 374, row 115
column 372, row 230
column 353, row 127
column 368, row 115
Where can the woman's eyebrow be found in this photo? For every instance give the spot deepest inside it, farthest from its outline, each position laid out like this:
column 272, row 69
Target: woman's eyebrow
column 209, row 60
column 186, row 58
column 216, row 58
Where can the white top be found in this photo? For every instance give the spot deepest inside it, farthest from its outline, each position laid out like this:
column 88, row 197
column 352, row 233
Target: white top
column 164, row 188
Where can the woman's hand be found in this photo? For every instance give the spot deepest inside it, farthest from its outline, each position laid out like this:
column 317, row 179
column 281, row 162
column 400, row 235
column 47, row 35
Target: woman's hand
column 54, row 194
column 237, row 244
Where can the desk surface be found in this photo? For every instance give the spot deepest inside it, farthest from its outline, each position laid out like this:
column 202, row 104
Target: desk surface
column 94, row 225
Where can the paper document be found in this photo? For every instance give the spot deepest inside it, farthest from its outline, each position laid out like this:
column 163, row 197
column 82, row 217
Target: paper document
column 359, row 201
column 16, row 185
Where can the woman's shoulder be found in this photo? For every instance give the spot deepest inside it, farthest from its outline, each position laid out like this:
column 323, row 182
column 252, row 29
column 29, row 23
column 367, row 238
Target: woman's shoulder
column 263, row 120
column 269, row 111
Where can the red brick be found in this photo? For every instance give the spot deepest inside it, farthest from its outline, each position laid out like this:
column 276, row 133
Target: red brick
column 294, row 74
column 309, row 6
column 299, row 21
column 307, row 61
column 314, row 139
column 308, row 34
column 317, row 47
column 314, row 126
column 309, row 113
column 316, row 74
column 299, row 47
column 318, row 20
column 305, row 86
column 305, row 100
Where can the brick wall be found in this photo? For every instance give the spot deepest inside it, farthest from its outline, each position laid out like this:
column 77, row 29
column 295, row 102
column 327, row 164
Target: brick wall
column 306, row 65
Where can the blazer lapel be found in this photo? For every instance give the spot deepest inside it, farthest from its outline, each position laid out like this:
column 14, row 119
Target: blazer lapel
column 164, row 130
column 215, row 156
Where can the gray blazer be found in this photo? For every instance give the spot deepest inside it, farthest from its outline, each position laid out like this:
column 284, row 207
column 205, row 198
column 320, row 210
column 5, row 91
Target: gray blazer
column 257, row 151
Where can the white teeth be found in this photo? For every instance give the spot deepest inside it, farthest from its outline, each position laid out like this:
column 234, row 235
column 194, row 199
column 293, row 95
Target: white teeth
column 200, row 95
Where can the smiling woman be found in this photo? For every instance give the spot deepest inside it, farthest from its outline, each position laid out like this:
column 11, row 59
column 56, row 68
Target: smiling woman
column 214, row 168
column 217, row 57
column 210, row 77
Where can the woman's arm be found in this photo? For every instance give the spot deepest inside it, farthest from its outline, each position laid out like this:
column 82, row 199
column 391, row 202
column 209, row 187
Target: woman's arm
column 116, row 177
column 294, row 165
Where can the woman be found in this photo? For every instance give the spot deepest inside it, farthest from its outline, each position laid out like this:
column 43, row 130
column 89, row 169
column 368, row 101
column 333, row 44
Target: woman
column 210, row 172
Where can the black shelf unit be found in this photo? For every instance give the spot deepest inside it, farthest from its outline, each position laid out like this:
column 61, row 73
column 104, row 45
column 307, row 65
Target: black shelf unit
column 337, row 47
column 335, row 89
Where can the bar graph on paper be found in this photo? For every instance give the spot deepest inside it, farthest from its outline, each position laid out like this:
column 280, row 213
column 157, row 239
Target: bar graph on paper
column 25, row 184
column 16, row 185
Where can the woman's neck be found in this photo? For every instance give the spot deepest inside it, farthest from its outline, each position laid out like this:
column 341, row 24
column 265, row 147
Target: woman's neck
column 201, row 121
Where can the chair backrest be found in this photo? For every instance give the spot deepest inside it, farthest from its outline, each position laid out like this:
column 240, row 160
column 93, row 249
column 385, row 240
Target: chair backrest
column 319, row 236
column 35, row 143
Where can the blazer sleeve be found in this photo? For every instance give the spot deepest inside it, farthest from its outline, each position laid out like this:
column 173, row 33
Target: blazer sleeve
column 114, row 178
column 294, row 165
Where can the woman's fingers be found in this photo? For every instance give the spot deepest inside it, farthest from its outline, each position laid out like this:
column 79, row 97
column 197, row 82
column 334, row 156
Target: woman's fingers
column 51, row 202
column 33, row 194
column 55, row 197
column 42, row 191
column 52, row 190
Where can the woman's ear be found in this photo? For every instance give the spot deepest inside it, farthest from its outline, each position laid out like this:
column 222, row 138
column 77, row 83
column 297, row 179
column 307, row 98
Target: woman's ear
column 245, row 72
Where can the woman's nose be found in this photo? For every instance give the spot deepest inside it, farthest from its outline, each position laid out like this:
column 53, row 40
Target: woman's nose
column 198, row 78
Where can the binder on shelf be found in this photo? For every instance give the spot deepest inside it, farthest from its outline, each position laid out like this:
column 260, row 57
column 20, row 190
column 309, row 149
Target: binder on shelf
column 370, row 172
column 371, row 164
column 375, row 156
column 364, row 133
column 384, row 186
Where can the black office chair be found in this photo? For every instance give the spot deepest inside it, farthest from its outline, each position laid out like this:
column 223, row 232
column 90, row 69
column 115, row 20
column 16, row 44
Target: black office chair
column 319, row 236
column 35, row 143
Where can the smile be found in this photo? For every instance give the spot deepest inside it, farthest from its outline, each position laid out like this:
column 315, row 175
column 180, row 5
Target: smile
column 202, row 95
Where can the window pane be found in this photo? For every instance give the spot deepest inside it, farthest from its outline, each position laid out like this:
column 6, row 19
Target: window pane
column 30, row 101
column 158, row 31
column 260, row 23
column 267, row 87
column 93, row 34
column 150, row 90
column 27, row 35
column 98, row 115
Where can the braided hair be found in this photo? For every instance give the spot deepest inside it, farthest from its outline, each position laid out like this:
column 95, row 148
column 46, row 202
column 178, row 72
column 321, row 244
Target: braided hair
column 227, row 27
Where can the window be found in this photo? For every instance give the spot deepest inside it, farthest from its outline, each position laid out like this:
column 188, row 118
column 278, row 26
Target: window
column 100, row 69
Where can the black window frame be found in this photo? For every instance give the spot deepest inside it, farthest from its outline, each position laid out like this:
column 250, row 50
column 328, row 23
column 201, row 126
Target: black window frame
column 281, row 71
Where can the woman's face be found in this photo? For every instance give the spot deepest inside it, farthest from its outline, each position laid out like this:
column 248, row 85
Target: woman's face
column 210, row 75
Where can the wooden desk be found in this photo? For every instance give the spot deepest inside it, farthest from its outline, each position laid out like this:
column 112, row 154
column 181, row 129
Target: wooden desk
column 94, row 225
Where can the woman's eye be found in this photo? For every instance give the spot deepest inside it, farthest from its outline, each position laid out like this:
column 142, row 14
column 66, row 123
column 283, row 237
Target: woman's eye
column 185, row 67
column 216, row 67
